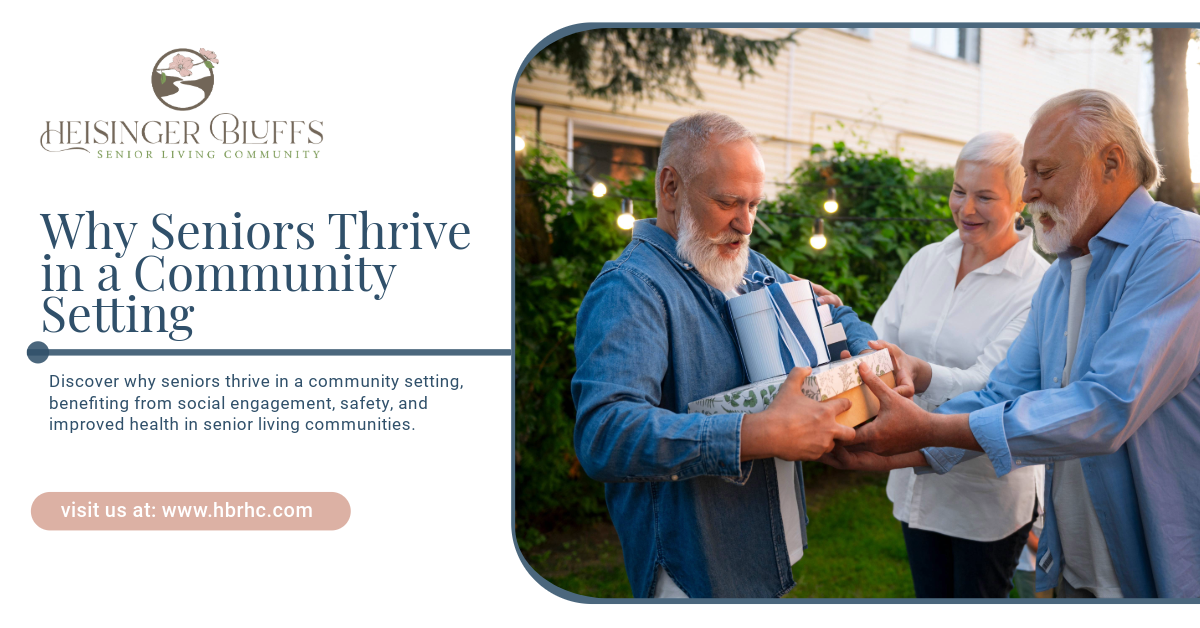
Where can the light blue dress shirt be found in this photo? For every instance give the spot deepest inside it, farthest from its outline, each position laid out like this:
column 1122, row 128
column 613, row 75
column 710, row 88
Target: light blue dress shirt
column 1132, row 410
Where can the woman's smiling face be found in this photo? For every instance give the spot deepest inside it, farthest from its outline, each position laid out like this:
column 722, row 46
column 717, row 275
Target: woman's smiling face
column 982, row 205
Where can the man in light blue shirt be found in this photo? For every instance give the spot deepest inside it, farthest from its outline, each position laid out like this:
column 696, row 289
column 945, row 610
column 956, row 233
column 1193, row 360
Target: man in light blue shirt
column 1114, row 411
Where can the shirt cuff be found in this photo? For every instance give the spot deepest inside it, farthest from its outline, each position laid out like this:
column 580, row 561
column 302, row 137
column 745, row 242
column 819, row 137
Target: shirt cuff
column 722, row 439
column 941, row 460
column 941, row 385
column 987, row 425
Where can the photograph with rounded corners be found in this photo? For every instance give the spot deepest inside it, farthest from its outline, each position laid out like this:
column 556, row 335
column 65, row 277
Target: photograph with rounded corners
column 859, row 312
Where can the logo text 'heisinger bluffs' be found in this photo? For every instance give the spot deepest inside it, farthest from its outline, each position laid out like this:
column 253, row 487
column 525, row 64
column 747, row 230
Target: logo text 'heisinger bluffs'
column 115, row 139
column 183, row 79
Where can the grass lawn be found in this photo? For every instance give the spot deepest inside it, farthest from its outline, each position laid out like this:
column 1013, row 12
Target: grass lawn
column 855, row 548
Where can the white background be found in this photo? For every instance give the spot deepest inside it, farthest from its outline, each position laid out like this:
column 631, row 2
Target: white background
column 415, row 101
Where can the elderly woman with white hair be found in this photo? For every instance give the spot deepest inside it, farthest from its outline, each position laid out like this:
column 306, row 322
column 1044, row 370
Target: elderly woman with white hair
column 951, row 316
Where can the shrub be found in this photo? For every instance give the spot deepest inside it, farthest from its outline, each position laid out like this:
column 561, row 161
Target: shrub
column 551, row 487
column 862, row 259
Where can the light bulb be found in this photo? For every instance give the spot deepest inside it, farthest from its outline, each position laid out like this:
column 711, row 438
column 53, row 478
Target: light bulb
column 599, row 189
column 520, row 143
column 625, row 221
column 831, row 204
column 817, row 241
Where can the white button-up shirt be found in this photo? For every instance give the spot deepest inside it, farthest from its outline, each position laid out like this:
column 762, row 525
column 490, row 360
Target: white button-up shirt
column 962, row 332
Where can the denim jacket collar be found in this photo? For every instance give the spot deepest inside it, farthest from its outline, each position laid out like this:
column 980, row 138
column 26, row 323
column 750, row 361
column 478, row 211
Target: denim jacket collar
column 648, row 231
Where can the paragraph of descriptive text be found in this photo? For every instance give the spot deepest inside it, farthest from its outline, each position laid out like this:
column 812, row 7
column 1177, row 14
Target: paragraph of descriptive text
column 141, row 402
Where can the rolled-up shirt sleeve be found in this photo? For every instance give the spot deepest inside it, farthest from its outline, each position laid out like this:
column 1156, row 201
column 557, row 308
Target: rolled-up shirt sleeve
column 1135, row 368
column 1017, row 374
column 858, row 333
column 949, row 382
column 621, row 433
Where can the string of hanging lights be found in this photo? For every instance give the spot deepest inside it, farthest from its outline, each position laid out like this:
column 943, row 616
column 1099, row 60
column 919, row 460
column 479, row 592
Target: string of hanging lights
column 817, row 241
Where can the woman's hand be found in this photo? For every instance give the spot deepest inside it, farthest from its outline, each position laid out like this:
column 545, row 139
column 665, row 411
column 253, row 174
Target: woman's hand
column 918, row 369
column 904, row 380
column 824, row 297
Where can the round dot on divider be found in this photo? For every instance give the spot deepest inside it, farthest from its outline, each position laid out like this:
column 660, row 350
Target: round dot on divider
column 37, row 352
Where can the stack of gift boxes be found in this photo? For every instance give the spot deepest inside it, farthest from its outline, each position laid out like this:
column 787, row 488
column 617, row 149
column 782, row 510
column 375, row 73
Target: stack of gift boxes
column 779, row 326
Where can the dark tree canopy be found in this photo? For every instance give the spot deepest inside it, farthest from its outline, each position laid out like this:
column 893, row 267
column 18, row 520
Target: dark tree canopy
column 635, row 64
column 1168, row 48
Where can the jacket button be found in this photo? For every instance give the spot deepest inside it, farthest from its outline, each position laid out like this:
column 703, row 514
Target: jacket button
column 674, row 477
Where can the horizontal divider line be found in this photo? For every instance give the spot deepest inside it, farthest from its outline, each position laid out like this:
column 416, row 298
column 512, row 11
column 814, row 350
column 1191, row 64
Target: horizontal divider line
column 280, row 352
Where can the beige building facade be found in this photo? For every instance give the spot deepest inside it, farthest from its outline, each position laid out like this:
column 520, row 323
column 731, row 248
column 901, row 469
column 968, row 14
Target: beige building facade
column 918, row 92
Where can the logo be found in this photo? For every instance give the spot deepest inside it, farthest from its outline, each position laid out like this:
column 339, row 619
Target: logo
column 183, row 78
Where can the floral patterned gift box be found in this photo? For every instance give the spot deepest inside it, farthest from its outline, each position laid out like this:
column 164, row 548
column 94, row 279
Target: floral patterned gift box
column 834, row 380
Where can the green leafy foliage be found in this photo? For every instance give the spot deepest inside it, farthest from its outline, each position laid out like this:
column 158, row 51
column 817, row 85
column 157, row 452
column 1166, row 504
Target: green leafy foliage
column 551, row 486
column 862, row 260
column 1119, row 37
column 620, row 64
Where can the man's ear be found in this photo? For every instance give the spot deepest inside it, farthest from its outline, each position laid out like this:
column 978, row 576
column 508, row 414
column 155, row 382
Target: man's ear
column 1114, row 160
column 668, row 188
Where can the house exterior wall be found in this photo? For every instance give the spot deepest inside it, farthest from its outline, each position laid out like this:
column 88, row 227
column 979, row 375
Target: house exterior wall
column 874, row 92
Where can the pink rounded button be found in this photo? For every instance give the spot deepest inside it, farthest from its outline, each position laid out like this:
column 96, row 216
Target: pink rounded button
column 190, row 511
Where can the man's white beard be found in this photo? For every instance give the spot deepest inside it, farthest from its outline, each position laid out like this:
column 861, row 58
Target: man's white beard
column 1067, row 219
column 704, row 253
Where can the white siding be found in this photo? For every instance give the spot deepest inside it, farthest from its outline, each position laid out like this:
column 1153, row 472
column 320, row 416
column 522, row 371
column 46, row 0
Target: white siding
column 876, row 93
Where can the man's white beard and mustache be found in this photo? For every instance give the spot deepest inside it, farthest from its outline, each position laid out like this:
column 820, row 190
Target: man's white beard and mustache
column 704, row 252
column 1067, row 219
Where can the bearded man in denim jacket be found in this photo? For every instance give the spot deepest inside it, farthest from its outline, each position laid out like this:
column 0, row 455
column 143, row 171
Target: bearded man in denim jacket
column 705, row 506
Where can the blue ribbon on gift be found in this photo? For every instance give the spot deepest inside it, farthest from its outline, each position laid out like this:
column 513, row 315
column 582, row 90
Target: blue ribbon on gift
column 794, row 346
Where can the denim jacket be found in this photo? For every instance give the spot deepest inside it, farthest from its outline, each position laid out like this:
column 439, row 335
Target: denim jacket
column 652, row 336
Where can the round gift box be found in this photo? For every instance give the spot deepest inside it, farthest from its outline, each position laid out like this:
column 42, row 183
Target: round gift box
column 758, row 334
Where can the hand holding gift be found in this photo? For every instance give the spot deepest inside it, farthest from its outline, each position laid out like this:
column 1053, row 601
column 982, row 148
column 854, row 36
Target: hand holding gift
column 900, row 427
column 918, row 371
column 843, row 458
column 833, row 380
column 902, row 368
column 794, row 427
column 824, row 296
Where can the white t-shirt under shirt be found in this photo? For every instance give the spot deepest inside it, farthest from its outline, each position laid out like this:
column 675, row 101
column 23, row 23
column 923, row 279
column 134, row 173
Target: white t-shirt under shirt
column 789, row 500
column 789, row 510
column 1086, row 561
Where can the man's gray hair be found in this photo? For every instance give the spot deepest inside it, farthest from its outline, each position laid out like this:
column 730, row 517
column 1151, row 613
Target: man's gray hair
column 1001, row 150
column 687, row 138
column 1104, row 118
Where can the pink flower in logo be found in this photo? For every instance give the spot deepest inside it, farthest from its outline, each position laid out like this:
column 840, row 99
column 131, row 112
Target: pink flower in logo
column 182, row 64
column 210, row 55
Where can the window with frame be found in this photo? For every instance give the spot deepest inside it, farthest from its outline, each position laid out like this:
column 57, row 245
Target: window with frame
column 865, row 33
column 622, row 162
column 956, row 43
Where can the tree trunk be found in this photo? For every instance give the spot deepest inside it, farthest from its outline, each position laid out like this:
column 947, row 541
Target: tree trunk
column 533, row 241
column 1170, row 114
